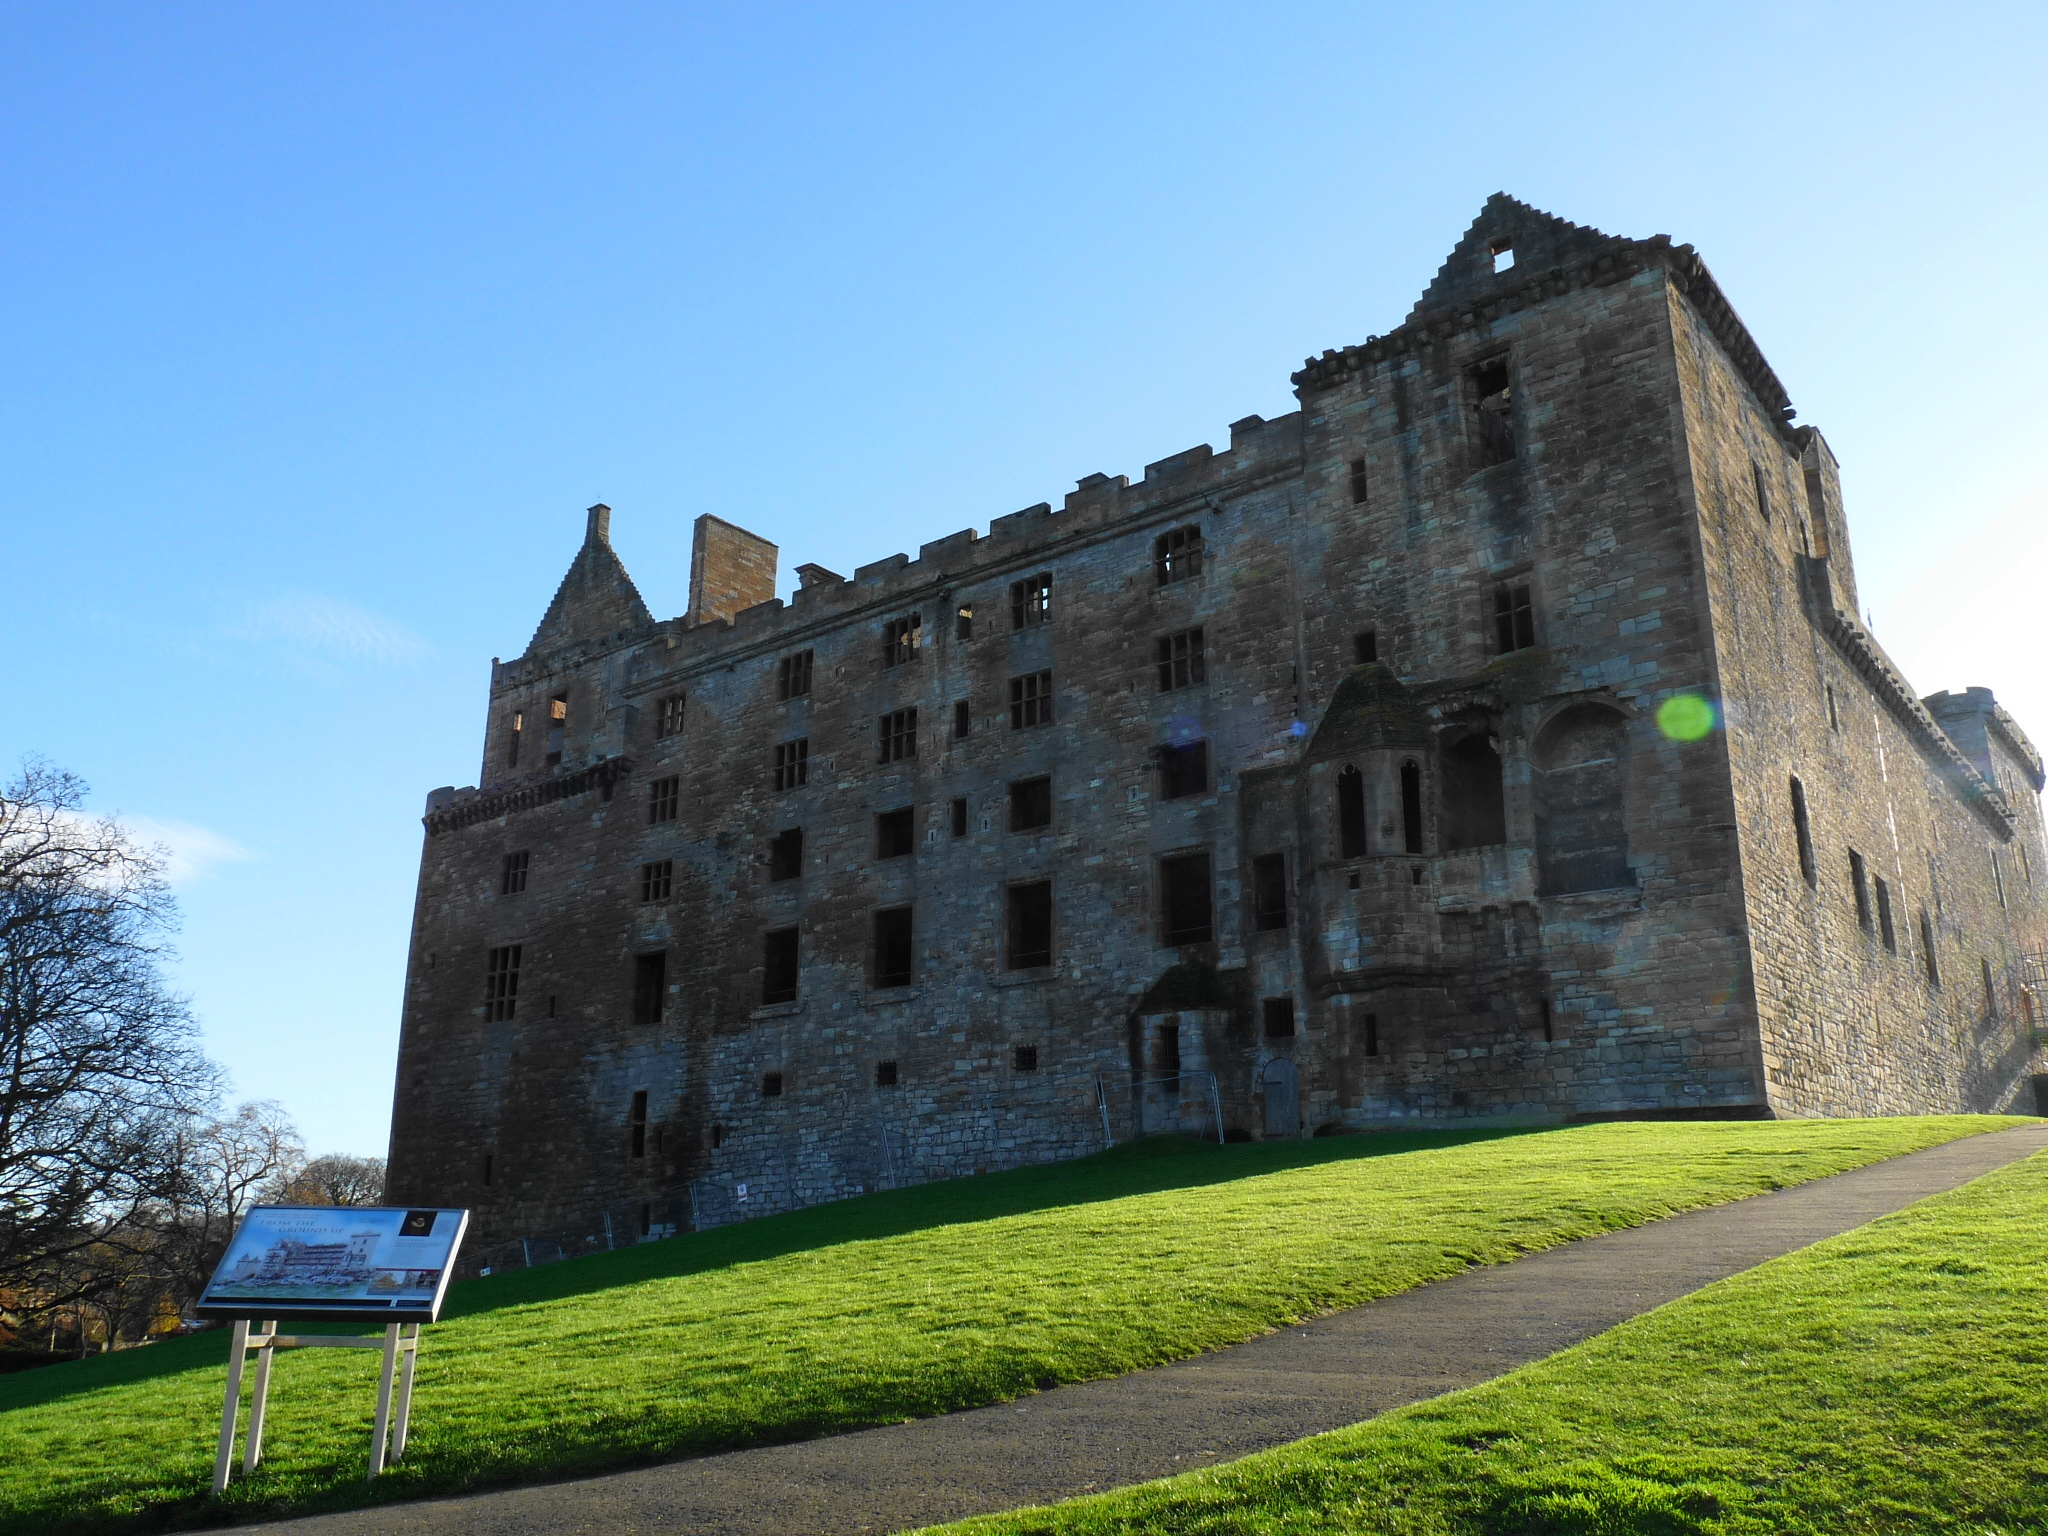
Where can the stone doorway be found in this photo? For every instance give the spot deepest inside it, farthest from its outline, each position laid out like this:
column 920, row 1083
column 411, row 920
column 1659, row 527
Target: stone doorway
column 1282, row 1084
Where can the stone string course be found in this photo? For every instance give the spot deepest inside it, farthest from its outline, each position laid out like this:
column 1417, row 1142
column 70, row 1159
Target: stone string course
column 1465, row 979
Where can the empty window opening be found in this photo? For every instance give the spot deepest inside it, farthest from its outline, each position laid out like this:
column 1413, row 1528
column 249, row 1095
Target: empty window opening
column 668, row 716
column 717, row 1137
column 1028, row 925
column 886, row 1075
column 1358, row 484
column 657, row 879
column 1415, row 875
column 487, row 1167
column 501, row 983
column 895, row 833
column 1024, row 1058
column 1762, row 493
column 1031, row 600
column 1928, row 959
column 1581, row 822
column 1030, row 700
column 636, row 1120
column 1474, row 806
column 1372, row 1034
column 786, row 854
column 1503, row 258
column 664, row 798
column 1185, row 902
column 650, row 986
column 1180, row 660
column 512, row 877
column 963, row 720
column 1352, row 880
column 771, row 1085
column 902, row 640
column 1279, row 1015
column 1365, row 646
column 1351, row 833
column 1543, row 1015
column 551, row 1005
column 1411, row 806
column 1834, row 716
column 558, row 725
column 1495, row 403
column 1998, row 876
column 960, row 816
column 792, row 763
column 896, row 736
column 1183, row 770
column 1169, row 1047
column 895, row 957
column 512, row 739
column 778, row 966
column 1802, row 829
column 1990, row 990
column 963, row 622
column 1031, row 803
column 1269, row 892
column 1859, row 882
column 793, row 676
column 1514, row 620
column 1177, row 556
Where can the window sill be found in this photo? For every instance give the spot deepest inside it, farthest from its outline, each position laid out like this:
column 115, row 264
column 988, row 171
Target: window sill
column 777, row 1010
column 1025, row 975
column 882, row 997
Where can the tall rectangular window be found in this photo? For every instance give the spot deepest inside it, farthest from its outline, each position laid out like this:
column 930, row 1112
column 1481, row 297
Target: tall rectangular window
column 1372, row 1034
column 1031, row 600
column 1928, row 958
column 960, row 816
column 793, row 763
column 1365, row 646
column 896, row 736
column 1030, row 700
column 656, row 879
column 1177, row 556
column 1027, row 924
column 1279, row 1012
column 786, row 854
column 1514, row 619
column 636, row 1123
column 501, row 983
column 1031, row 803
column 1358, row 485
column 1802, row 828
column 668, row 716
column 650, row 986
column 895, row 833
column 1183, row 769
column 793, row 676
column 895, row 953
column 778, row 966
column 1885, row 930
column 1180, row 660
column 902, row 640
column 1269, row 892
column 963, row 720
column 558, row 726
column 1859, row 881
column 963, row 622
column 663, row 798
column 1495, row 403
column 512, row 736
column 1185, row 903
column 512, row 877
column 1760, row 490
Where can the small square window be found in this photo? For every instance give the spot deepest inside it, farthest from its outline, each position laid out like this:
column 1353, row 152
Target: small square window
column 1180, row 660
column 1177, row 556
column 1031, row 803
column 786, row 854
column 886, row 1075
column 896, row 736
column 1030, row 700
column 664, row 796
column 1365, row 647
column 902, row 640
column 1031, row 600
column 1279, row 1013
column 656, row 879
column 779, row 966
column 1503, row 258
column 1183, row 770
column 668, row 719
column 793, row 676
column 895, row 833
column 793, row 763
column 512, row 878
column 771, row 1085
column 1024, row 1058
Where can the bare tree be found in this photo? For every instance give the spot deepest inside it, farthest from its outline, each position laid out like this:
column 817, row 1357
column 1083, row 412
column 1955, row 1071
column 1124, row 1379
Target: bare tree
column 333, row 1179
column 99, row 1076
column 224, row 1166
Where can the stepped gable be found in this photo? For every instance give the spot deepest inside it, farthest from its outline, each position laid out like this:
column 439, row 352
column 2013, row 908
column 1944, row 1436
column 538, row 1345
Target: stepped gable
column 596, row 597
column 1370, row 709
column 1541, row 241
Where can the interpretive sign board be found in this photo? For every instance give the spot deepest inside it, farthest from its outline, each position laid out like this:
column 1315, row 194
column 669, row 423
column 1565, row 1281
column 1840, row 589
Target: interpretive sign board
column 336, row 1263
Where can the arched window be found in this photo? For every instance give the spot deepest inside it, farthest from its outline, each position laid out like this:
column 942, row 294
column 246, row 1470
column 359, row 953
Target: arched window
column 1351, row 812
column 1474, row 813
column 1581, row 833
column 1411, row 806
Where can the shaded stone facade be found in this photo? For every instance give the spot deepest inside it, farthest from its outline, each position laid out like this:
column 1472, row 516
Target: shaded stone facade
column 1493, row 737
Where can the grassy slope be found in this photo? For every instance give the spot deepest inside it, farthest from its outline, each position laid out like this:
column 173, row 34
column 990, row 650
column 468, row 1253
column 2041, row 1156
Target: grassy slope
column 897, row 1305
column 1894, row 1379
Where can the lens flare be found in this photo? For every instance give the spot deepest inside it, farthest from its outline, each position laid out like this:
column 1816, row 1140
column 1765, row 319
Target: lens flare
column 1687, row 717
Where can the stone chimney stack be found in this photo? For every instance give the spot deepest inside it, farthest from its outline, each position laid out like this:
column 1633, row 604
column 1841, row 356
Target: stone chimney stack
column 599, row 529
column 730, row 569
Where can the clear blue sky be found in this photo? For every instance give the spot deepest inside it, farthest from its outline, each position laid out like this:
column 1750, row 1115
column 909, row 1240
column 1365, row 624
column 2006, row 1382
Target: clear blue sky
column 324, row 323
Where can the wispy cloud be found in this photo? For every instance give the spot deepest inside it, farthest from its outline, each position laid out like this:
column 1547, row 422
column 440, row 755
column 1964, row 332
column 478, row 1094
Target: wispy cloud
column 190, row 852
column 327, row 627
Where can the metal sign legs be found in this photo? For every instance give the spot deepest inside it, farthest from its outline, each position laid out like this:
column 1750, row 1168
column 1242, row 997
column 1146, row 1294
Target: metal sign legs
column 387, row 1439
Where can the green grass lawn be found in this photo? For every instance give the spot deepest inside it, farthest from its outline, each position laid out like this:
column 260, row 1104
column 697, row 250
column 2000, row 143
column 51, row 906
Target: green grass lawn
column 883, row 1308
column 1893, row 1379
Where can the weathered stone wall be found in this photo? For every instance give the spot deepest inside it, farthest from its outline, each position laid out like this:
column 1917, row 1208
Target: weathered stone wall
column 1507, row 891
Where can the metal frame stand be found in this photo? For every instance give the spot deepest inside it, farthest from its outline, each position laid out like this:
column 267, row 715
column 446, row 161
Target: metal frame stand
column 387, row 1438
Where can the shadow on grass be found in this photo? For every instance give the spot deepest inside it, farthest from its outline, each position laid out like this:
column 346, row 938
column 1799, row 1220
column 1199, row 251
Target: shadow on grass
column 1135, row 1168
